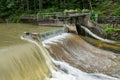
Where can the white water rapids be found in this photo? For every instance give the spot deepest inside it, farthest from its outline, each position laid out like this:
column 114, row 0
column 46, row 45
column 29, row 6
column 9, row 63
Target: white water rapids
column 72, row 73
column 66, row 71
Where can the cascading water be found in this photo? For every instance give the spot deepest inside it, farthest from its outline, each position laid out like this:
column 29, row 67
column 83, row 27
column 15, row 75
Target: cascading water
column 68, row 57
column 97, row 37
column 75, row 51
column 23, row 62
column 64, row 71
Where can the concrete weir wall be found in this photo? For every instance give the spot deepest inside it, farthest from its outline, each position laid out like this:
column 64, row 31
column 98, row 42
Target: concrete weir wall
column 49, row 34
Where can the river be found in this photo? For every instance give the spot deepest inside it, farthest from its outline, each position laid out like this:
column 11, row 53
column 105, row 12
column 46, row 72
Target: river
column 63, row 57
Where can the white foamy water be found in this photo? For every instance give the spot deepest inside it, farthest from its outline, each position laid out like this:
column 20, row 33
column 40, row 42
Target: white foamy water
column 97, row 37
column 72, row 73
column 54, row 39
column 66, row 71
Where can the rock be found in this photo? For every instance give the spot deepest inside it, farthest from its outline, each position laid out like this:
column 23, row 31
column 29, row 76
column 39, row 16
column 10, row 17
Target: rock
column 114, row 36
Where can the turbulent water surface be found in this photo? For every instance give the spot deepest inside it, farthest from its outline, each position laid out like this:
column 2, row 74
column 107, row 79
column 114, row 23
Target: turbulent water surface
column 64, row 57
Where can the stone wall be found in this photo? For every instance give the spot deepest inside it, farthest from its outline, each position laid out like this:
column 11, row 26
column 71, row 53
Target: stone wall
column 53, row 33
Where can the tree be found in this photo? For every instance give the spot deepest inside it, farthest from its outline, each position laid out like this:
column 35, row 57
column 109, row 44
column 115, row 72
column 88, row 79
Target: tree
column 40, row 5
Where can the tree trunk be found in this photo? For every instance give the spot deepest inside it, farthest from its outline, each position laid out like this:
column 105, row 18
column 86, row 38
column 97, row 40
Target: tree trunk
column 27, row 5
column 40, row 5
column 34, row 4
column 90, row 5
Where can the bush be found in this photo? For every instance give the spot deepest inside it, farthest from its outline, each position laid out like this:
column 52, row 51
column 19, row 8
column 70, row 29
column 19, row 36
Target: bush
column 15, row 19
column 117, row 11
column 110, row 29
column 49, row 10
column 85, row 11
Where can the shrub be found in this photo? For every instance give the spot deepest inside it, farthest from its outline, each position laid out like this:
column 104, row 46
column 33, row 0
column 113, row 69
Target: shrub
column 117, row 11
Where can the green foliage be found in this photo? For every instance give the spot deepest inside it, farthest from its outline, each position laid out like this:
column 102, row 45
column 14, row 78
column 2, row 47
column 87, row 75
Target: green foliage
column 110, row 29
column 8, row 9
column 85, row 11
column 14, row 8
column 117, row 11
column 15, row 19
column 49, row 10
column 79, row 10
column 94, row 16
column 110, row 7
column 10, row 5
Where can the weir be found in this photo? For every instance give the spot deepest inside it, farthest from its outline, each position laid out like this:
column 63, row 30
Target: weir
column 82, row 20
column 82, row 25
column 23, row 62
column 70, row 48
column 50, row 34
column 64, row 57
column 67, row 56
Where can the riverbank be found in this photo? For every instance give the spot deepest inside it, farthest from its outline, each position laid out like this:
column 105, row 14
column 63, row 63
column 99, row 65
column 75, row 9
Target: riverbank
column 111, row 32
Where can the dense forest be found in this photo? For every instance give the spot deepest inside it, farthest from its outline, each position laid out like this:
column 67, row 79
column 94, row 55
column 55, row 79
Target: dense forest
column 10, row 9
